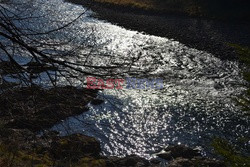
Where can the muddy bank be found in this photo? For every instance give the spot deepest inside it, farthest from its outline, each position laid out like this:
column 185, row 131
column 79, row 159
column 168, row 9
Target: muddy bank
column 203, row 34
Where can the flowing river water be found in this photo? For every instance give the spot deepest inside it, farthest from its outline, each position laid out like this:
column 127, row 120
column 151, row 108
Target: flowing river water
column 196, row 104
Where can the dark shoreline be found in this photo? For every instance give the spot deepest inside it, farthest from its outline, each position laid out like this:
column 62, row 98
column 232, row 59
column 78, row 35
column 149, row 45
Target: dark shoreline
column 203, row 34
column 20, row 126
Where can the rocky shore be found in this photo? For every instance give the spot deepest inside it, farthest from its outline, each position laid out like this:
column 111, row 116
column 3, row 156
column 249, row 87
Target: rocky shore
column 36, row 108
column 27, row 113
column 204, row 34
column 23, row 148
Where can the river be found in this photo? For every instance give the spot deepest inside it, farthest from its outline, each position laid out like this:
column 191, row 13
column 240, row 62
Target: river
column 196, row 104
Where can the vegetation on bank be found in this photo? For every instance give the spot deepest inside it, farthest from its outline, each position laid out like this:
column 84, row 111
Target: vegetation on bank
column 244, row 57
column 233, row 156
column 238, row 154
column 220, row 9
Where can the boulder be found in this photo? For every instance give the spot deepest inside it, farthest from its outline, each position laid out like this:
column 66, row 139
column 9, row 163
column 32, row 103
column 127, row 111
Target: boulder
column 128, row 161
column 173, row 152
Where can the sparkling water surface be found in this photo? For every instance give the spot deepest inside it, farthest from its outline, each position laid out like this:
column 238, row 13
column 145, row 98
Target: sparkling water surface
column 196, row 104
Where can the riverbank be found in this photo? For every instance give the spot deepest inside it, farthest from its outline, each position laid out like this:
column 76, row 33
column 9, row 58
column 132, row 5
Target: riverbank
column 36, row 108
column 27, row 114
column 203, row 34
column 230, row 10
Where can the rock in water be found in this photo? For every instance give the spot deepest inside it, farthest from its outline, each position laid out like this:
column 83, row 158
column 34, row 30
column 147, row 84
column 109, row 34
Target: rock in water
column 173, row 152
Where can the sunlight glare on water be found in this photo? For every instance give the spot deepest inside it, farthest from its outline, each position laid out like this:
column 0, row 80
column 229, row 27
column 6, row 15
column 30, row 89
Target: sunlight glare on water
column 195, row 104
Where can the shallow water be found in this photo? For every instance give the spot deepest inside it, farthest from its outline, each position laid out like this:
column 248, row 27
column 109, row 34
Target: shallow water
column 195, row 105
